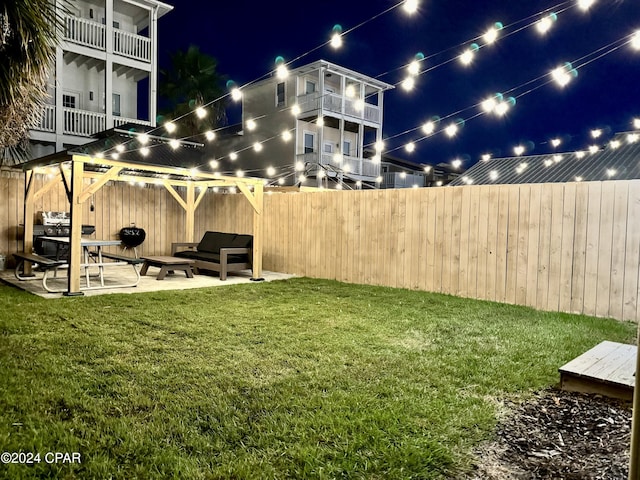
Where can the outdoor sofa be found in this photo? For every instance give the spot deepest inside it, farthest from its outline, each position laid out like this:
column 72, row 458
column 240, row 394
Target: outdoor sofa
column 217, row 251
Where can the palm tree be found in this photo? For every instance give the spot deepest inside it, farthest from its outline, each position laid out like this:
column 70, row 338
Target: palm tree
column 29, row 33
column 192, row 82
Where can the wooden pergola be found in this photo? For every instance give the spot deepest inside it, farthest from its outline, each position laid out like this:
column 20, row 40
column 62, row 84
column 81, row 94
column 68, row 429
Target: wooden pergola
column 72, row 169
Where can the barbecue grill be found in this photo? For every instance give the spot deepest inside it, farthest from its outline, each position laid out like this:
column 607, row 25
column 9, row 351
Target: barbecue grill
column 132, row 237
column 54, row 224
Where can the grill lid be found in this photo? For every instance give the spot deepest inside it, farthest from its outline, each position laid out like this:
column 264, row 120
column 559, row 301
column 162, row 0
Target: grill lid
column 132, row 236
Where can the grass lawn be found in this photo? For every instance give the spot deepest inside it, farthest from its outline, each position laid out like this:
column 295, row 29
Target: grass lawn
column 291, row 379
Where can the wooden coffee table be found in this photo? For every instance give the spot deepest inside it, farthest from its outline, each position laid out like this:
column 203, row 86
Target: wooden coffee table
column 167, row 265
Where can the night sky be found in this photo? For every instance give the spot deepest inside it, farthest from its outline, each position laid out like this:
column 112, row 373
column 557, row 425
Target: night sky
column 246, row 36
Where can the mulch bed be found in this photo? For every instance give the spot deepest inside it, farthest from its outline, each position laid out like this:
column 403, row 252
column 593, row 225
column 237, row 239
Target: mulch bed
column 559, row 435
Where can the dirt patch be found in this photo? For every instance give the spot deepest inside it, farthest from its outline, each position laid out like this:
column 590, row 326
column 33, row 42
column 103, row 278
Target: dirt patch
column 559, row 435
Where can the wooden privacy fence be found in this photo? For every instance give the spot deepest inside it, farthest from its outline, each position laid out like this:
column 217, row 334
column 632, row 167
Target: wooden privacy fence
column 571, row 247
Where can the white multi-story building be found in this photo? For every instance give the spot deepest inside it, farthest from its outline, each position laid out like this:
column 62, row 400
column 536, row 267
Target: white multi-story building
column 331, row 112
column 108, row 57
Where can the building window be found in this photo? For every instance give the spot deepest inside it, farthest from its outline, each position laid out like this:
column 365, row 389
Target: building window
column 69, row 101
column 309, row 142
column 328, row 147
column 310, row 87
column 346, row 148
column 280, row 98
column 115, row 104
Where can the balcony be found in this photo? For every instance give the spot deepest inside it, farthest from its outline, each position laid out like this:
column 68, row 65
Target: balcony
column 92, row 34
column 347, row 164
column 402, row 180
column 339, row 104
column 80, row 123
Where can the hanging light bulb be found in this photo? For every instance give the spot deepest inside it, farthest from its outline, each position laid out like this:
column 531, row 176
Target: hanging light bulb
column 410, row 6
column 201, row 112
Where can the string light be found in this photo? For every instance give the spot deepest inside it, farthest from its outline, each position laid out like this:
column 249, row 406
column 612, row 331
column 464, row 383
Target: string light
column 281, row 68
column 467, row 56
column 144, row 151
column 410, row 6
column 120, row 148
column 614, row 144
column 174, row 143
column 410, row 147
column 251, row 125
column 428, row 127
column 596, row 133
column 556, row 142
column 233, row 156
column 636, row 123
column 580, row 154
column 271, row 171
column 486, row 157
column 236, row 94
column 545, row 23
column 519, row 150
column 594, row 149
column 286, row 135
column 210, row 135
column 564, row 74
column 635, row 40
column 585, row 4
column 491, row 34
column 258, row 147
column 201, row 112
column 295, row 110
column 143, row 138
column 170, row 127
column 336, row 37
column 451, row 130
column 457, row 163
column 214, row 164
column 408, row 84
column 493, row 175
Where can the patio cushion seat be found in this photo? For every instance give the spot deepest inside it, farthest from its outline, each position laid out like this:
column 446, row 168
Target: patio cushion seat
column 209, row 253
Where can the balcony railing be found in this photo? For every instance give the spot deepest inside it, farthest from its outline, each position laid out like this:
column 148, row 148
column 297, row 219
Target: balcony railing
column 132, row 45
column 332, row 102
column 47, row 122
column 347, row 164
column 398, row 180
column 84, row 32
column 81, row 123
column 92, row 34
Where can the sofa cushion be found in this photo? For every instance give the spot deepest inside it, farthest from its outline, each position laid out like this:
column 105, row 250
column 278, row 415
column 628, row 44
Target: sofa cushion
column 242, row 241
column 212, row 242
column 187, row 254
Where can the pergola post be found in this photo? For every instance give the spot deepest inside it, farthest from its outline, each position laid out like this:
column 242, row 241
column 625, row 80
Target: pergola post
column 28, row 218
column 258, row 195
column 190, row 212
column 75, row 235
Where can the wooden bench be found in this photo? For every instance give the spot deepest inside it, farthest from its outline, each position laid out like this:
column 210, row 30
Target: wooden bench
column 43, row 263
column 121, row 258
column 40, row 263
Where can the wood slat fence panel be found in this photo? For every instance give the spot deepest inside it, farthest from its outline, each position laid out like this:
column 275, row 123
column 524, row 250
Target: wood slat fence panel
column 569, row 247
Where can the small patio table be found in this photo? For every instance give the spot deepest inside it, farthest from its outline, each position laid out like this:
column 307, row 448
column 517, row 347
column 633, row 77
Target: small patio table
column 167, row 265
